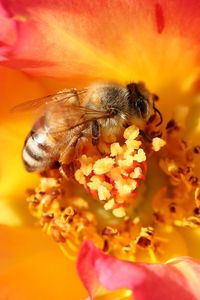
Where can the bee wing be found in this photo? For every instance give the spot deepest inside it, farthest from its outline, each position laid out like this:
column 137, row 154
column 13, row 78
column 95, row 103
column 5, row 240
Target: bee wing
column 61, row 111
column 43, row 103
column 60, row 119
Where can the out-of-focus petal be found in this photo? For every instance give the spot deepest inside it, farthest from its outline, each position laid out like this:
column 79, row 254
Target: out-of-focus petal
column 13, row 129
column 33, row 267
column 177, row 279
column 7, row 32
column 123, row 40
column 14, row 180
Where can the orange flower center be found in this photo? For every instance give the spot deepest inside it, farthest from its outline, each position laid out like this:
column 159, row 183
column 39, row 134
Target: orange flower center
column 128, row 210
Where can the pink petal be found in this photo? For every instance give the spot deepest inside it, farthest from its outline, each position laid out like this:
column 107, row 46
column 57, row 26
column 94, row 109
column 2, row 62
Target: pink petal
column 124, row 39
column 177, row 279
column 7, row 32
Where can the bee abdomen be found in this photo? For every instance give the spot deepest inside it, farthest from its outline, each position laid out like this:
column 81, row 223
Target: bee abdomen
column 37, row 152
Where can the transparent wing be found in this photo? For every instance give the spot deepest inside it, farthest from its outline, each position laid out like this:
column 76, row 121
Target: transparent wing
column 62, row 118
column 61, row 112
column 43, row 103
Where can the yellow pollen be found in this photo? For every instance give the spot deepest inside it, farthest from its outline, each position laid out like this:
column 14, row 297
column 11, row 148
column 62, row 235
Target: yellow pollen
column 109, row 205
column 86, row 165
column 124, row 187
column 95, row 182
column 140, row 156
column 131, row 133
column 133, row 144
column 103, row 165
column 103, row 193
column 157, row 144
column 136, row 173
column 115, row 149
column 126, row 162
column 116, row 173
column 79, row 176
column 119, row 212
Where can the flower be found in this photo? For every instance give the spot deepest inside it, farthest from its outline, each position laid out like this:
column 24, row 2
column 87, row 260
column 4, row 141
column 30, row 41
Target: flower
column 159, row 44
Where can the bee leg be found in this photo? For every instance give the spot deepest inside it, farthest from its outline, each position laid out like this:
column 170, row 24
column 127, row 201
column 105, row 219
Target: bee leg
column 68, row 170
column 96, row 135
column 147, row 137
column 55, row 165
column 67, row 158
column 95, row 132
column 156, row 134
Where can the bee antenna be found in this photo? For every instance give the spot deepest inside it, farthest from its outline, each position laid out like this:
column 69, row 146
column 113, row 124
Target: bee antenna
column 160, row 115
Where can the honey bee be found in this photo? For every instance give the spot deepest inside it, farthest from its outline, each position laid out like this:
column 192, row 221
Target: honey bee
column 72, row 114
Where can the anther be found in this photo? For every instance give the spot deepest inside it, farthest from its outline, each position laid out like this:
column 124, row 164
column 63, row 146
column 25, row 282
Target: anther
column 105, row 246
column 171, row 124
column 194, row 180
column 109, row 231
column 196, row 149
column 197, row 211
column 172, row 207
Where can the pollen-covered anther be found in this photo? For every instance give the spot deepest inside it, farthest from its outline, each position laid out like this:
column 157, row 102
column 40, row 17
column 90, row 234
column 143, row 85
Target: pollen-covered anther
column 114, row 177
column 103, row 193
column 145, row 236
column 86, row 164
column 69, row 220
column 157, row 144
column 136, row 173
column 115, row 149
column 103, row 165
column 110, row 204
column 131, row 133
column 119, row 212
column 109, row 231
column 192, row 221
column 79, row 176
column 140, row 156
column 178, row 204
column 197, row 197
column 125, row 186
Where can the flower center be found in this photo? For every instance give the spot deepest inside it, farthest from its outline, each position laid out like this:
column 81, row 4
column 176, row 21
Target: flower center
column 128, row 195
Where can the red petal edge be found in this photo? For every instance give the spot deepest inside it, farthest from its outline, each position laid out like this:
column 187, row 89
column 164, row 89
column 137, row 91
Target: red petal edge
column 7, row 33
column 177, row 279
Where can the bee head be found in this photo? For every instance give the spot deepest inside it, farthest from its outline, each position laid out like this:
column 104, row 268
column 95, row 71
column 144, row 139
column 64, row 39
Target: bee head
column 139, row 100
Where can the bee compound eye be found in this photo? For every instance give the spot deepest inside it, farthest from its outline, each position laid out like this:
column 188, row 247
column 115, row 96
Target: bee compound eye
column 141, row 107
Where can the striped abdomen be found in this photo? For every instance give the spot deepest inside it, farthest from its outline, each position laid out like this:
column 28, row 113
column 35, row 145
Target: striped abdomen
column 39, row 150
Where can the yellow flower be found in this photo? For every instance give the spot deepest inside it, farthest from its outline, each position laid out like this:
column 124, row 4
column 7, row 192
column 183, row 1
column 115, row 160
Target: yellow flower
column 75, row 44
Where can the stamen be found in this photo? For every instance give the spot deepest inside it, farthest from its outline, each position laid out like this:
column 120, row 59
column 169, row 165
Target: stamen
column 66, row 253
column 104, row 202
column 114, row 178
